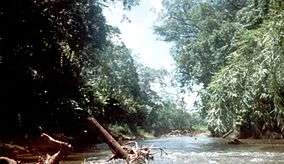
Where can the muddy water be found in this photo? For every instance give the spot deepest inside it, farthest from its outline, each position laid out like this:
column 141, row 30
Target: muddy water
column 185, row 150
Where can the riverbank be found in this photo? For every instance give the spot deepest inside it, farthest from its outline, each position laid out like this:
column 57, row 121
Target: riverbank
column 263, row 141
column 189, row 133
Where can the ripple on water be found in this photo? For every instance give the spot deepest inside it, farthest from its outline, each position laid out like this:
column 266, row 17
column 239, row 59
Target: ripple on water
column 175, row 157
column 185, row 150
column 220, row 157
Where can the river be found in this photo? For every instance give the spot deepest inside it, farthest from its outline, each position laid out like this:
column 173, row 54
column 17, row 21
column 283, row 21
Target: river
column 185, row 150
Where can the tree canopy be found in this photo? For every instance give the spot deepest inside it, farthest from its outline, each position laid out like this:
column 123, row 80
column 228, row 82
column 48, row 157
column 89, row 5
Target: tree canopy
column 235, row 50
column 45, row 48
column 60, row 61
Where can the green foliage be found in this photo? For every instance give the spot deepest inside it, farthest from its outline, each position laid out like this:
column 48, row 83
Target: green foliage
column 42, row 43
column 114, row 84
column 250, row 87
column 237, row 54
column 168, row 117
column 202, row 37
column 60, row 61
column 45, row 46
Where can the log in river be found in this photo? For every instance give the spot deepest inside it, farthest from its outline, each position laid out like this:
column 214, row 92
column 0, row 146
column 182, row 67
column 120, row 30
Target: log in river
column 184, row 150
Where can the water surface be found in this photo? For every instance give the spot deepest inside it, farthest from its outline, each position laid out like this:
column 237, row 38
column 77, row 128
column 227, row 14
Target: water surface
column 184, row 150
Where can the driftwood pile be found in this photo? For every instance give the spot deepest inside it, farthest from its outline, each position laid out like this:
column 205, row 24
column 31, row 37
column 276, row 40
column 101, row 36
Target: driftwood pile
column 135, row 153
column 132, row 154
column 62, row 147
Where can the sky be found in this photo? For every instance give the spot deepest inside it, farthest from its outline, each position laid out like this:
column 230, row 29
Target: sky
column 138, row 34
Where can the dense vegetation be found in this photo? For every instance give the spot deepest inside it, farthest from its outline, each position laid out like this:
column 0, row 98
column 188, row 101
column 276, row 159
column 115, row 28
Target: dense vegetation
column 60, row 61
column 235, row 50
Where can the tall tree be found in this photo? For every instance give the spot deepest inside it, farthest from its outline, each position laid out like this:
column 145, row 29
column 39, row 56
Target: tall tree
column 201, row 34
column 43, row 47
column 236, row 53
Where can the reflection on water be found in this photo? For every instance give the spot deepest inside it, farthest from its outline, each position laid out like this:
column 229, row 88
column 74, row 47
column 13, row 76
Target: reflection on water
column 184, row 150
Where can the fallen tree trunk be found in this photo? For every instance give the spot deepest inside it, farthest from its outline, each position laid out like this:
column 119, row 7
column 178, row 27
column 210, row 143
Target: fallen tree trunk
column 109, row 140
column 228, row 133
column 130, row 154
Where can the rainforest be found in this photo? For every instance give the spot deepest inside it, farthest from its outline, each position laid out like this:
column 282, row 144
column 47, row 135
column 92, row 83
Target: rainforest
column 69, row 78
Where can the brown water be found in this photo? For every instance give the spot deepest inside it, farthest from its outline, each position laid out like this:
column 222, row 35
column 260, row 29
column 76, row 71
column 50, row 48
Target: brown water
column 185, row 150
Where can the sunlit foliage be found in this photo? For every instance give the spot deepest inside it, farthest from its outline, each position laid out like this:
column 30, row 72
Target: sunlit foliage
column 236, row 52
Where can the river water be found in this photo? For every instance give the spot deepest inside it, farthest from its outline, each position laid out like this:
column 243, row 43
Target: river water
column 185, row 150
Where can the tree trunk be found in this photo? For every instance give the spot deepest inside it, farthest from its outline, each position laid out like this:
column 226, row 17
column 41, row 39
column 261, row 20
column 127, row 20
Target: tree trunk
column 110, row 141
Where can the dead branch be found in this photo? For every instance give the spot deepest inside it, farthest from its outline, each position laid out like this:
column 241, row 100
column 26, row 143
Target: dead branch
column 11, row 150
column 51, row 159
column 55, row 158
column 56, row 143
column 7, row 160
column 135, row 153
column 234, row 142
column 161, row 150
